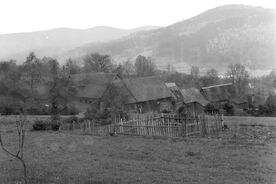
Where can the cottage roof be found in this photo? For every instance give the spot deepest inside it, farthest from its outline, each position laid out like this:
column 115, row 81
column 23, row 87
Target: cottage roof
column 147, row 88
column 219, row 92
column 193, row 95
column 175, row 91
column 240, row 100
column 92, row 85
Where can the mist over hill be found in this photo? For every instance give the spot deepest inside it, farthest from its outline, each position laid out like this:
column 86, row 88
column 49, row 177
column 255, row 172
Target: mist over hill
column 57, row 42
column 215, row 38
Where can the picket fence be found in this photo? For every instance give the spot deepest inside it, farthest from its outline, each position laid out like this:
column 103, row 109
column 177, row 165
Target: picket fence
column 162, row 125
column 168, row 125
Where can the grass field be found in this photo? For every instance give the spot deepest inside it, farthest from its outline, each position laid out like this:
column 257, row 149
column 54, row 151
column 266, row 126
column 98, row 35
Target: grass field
column 241, row 154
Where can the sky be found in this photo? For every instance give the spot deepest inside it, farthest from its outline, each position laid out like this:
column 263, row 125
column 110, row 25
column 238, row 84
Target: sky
column 35, row 15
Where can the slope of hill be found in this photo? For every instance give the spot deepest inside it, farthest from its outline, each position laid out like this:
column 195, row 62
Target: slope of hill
column 57, row 41
column 215, row 38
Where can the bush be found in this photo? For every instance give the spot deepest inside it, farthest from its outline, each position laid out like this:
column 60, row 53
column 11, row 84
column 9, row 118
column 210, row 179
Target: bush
column 54, row 125
column 70, row 110
column 46, row 125
column 37, row 111
column 71, row 120
column 229, row 108
column 40, row 125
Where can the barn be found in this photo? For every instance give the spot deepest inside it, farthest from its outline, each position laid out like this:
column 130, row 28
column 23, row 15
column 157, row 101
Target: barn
column 147, row 94
column 219, row 95
column 240, row 102
column 194, row 102
column 91, row 87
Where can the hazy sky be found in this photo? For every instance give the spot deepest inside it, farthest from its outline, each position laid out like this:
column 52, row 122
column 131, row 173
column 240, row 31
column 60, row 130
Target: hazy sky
column 35, row 15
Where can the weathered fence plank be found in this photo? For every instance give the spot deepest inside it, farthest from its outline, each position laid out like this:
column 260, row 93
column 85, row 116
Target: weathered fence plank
column 164, row 125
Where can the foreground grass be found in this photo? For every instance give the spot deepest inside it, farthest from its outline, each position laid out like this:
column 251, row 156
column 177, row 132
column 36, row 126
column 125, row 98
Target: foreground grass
column 242, row 155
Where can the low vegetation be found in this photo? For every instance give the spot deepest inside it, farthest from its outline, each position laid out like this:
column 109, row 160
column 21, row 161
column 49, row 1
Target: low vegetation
column 46, row 125
column 241, row 154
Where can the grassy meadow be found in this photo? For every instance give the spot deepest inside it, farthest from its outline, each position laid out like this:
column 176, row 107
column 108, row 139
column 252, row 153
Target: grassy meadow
column 244, row 153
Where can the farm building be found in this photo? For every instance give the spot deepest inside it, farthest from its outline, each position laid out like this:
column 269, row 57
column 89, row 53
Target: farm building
column 218, row 95
column 240, row 102
column 256, row 100
column 194, row 102
column 176, row 94
column 91, row 87
column 271, row 100
column 147, row 94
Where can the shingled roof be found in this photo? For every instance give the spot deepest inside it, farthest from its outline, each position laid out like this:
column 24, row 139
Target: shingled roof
column 218, row 93
column 147, row 88
column 193, row 95
column 92, row 85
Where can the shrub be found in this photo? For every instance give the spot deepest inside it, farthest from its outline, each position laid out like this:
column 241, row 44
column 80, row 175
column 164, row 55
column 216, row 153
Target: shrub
column 70, row 110
column 46, row 125
column 40, row 125
column 54, row 125
column 229, row 108
column 37, row 111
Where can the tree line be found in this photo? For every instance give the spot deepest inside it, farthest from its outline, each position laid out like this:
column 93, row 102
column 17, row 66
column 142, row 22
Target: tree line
column 43, row 85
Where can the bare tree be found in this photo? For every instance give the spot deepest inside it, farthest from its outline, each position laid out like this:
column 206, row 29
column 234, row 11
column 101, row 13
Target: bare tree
column 144, row 66
column 239, row 76
column 21, row 138
column 195, row 76
column 128, row 68
column 97, row 63
column 210, row 78
column 32, row 72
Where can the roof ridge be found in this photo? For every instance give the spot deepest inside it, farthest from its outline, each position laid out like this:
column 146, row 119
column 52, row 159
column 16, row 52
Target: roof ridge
column 218, row 85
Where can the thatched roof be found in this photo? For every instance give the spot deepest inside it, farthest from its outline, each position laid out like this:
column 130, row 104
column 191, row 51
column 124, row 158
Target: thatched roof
column 175, row 91
column 147, row 88
column 192, row 95
column 218, row 93
column 92, row 85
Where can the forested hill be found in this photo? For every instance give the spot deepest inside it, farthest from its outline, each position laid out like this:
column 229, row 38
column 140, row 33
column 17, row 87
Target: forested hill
column 215, row 38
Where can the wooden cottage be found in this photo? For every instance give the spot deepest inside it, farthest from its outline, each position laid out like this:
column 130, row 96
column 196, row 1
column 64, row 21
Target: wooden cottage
column 147, row 94
column 240, row 102
column 194, row 102
column 91, row 87
column 219, row 95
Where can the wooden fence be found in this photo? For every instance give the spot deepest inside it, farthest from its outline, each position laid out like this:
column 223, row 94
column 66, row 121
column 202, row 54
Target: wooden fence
column 163, row 125
column 171, row 126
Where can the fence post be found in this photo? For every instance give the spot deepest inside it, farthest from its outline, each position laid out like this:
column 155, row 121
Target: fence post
column 184, row 127
column 222, row 122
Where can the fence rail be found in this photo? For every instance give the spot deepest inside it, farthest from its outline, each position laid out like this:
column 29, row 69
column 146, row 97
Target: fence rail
column 171, row 126
column 161, row 126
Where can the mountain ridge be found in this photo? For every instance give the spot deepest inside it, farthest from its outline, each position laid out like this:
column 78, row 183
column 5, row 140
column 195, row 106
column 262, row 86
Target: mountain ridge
column 216, row 38
column 55, row 41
